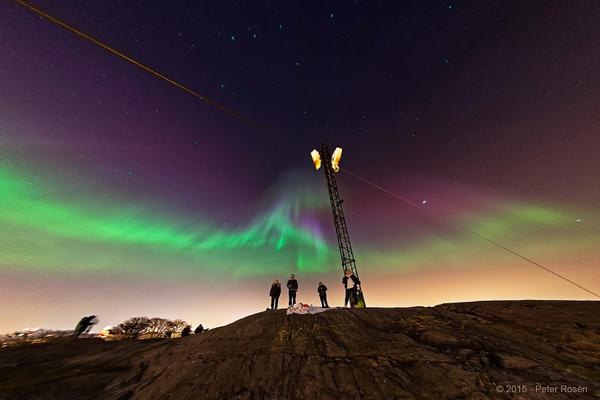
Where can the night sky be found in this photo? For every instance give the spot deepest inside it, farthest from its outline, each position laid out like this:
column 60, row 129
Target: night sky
column 122, row 195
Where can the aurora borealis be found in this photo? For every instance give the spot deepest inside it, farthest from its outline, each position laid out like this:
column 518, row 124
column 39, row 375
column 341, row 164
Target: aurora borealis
column 121, row 195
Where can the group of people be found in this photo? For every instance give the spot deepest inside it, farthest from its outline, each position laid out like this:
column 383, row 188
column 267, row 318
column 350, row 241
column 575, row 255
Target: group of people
column 350, row 282
column 187, row 331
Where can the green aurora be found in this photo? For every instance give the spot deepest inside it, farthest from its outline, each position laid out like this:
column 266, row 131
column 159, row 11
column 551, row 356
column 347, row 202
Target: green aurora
column 41, row 231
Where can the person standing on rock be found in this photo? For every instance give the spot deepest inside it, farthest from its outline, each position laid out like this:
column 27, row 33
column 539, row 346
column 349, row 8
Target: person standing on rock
column 322, row 290
column 292, row 286
column 275, row 293
column 350, row 281
column 186, row 331
column 84, row 325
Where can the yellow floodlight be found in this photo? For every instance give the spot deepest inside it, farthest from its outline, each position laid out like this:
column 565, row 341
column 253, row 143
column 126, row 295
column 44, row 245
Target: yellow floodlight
column 316, row 157
column 335, row 159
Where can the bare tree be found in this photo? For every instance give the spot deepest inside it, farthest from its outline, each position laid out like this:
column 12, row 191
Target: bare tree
column 135, row 326
column 159, row 326
column 178, row 325
column 153, row 327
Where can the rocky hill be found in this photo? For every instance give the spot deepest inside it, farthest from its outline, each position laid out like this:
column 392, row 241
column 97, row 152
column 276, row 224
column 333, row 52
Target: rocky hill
column 480, row 350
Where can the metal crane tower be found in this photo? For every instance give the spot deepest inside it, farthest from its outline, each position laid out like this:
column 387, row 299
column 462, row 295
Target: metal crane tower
column 341, row 230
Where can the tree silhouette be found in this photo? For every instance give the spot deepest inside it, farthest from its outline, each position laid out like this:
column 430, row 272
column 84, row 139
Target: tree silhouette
column 159, row 326
column 155, row 327
column 135, row 326
column 178, row 325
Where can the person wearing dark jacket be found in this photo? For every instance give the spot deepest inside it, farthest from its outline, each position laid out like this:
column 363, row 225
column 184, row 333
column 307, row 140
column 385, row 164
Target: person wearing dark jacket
column 292, row 286
column 350, row 282
column 84, row 325
column 275, row 293
column 186, row 331
column 322, row 289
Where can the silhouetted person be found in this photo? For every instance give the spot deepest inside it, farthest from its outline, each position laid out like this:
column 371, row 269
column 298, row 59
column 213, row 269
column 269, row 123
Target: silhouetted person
column 275, row 293
column 84, row 325
column 199, row 329
column 350, row 281
column 292, row 286
column 93, row 321
column 186, row 331
column 322, row 289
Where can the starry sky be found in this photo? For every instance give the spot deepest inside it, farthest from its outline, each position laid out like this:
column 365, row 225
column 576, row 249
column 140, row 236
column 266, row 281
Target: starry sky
column 122, row 195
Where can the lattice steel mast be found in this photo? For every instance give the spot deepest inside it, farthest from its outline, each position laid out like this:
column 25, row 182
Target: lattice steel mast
column 330, row 166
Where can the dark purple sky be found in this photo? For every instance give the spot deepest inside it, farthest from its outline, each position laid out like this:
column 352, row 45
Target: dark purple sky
column 502, row 93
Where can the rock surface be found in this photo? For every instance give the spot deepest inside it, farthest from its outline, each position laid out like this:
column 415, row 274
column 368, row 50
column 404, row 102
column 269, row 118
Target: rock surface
column 480, row 350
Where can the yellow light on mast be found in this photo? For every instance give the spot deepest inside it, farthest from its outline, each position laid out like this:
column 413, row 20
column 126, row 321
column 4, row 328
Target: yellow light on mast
column 316, row 157
column 335, row 159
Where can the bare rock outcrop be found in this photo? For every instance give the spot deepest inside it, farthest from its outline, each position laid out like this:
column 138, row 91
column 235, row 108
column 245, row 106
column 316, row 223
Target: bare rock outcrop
column 481, row 350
